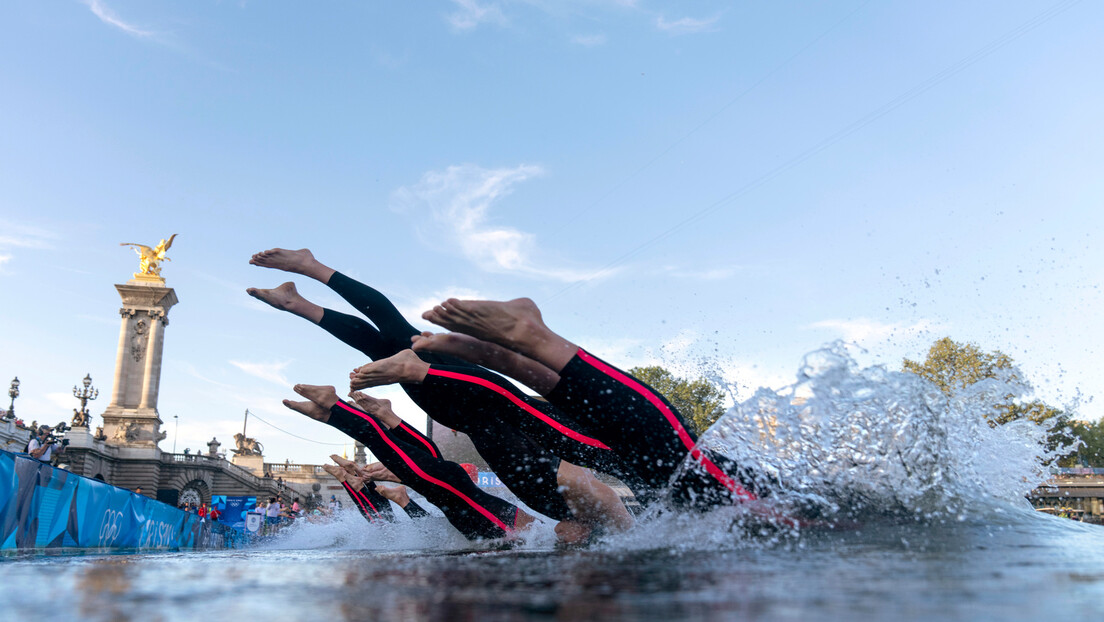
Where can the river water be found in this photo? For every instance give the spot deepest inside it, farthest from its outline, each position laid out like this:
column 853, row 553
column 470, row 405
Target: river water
column 1032, row 567
column 926, row 499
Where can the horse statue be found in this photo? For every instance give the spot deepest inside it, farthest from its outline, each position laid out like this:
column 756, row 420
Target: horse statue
column 149, row 259
column 247, row 446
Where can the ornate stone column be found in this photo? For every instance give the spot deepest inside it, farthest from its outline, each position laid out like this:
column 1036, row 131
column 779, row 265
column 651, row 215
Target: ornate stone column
column 131, row 419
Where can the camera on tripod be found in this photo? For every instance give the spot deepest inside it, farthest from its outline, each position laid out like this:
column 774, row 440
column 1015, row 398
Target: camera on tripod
column 57, row 435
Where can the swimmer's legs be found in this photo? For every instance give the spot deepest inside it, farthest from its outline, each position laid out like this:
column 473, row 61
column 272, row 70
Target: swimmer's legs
column 298, row 262
column 492, row 356
column 515, row 324
column 445, row 484
column 404, row 367
column 381, row 409
column 287, row 298
column 590, row 500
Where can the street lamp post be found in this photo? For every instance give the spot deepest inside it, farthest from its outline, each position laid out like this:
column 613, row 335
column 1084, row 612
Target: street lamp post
column 176, row 430
column 85, row 395
column 13, row 393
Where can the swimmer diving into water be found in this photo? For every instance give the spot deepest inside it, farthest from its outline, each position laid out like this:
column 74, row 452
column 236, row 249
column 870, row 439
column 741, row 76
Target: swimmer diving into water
column 633, row 419
column 465, row 398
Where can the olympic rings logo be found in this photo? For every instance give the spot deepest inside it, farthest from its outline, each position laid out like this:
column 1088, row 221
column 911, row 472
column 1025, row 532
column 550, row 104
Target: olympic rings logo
column 110, row 527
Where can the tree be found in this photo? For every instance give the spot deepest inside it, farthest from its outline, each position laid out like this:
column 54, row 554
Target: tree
column 1091, row 452
column 952, row 366
column 699, row 401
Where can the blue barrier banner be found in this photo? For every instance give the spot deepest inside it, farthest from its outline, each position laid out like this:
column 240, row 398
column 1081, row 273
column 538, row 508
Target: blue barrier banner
column 233, row 509
column 44, row 507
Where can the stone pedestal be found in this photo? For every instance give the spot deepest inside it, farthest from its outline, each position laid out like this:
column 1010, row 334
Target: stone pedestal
column 131, row 419
column 253, row 463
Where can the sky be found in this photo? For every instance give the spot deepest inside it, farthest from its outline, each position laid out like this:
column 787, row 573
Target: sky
column 716, row 187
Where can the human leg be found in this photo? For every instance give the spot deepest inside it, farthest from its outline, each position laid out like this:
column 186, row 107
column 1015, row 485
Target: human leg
column 492, row 356
column 287, row 298
column 631, row 417
column 514, row 324
column 368, row 502
column 381, row 409
column 445, row 484
column 406, row 367
column 301, row 262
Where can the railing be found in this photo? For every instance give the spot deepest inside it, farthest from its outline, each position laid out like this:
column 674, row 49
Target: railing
column 215, row 461
column 191, row 458
column 286, row 468
column 272, row 470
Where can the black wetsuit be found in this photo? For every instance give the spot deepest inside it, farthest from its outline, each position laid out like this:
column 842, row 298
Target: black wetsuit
column 475, row 513
column 526, row 467
column 375, row 507
column 370, row 503
column 647, row 432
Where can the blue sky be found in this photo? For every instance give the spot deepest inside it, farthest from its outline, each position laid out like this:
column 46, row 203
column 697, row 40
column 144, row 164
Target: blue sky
column 716, row 187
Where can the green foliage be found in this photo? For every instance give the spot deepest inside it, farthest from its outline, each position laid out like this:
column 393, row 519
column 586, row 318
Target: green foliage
column 699, row 401
column 952, row 366
column 1091, row 452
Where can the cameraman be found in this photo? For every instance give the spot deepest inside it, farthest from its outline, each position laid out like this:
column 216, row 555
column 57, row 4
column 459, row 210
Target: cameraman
column 42, row 446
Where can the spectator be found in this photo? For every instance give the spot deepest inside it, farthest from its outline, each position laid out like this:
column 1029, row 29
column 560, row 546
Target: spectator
column 43, row 446
column 273, row 510
column 201, row 511
column 214, row 514
column 295, row 508
column 335, row 505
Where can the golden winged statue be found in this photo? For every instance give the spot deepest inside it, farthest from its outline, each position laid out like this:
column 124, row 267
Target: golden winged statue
column 150, row 259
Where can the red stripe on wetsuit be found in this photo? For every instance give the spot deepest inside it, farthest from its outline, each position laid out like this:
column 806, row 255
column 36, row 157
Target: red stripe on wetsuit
column 414, row 467
column 672, row 419
column 559, row 427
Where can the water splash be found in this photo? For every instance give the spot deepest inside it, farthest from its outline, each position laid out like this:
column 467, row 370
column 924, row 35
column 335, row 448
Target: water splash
column 849, row 442
column 847, row 445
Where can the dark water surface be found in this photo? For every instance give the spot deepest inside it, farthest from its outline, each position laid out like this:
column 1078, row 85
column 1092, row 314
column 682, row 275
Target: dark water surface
column 1032, row 568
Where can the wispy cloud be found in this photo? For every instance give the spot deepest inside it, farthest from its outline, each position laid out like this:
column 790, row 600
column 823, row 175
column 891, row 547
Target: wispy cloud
column 589, row 41
column 269, row 371
column 107, row 16
column 471, row 13
column 687, row 25
column 458, row 201
column 21, row 236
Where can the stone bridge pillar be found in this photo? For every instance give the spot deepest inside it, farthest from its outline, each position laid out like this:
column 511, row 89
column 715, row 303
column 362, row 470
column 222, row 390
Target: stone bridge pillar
column 131, row 419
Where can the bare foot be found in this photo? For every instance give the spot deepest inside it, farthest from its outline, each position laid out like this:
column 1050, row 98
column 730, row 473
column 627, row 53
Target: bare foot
column 287, row 298
column 338, row 473
column 322, row 395
column 380, row 409
column 310, row 409
column 379, row 473
column 572, row 532
column 402, row 367
column 350, row 467
column 398, row 494
column 298, row 262
column 490, row 355
column 511, row 324
column 355, row 481
column 457, row 344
